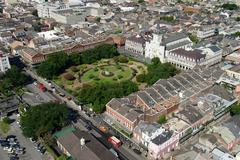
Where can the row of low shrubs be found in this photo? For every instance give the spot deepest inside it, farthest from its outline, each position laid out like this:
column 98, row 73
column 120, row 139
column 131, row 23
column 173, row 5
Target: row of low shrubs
column 68, row 76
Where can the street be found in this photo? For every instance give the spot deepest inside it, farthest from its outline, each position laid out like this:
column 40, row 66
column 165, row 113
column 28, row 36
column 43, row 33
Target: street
column 124, row 152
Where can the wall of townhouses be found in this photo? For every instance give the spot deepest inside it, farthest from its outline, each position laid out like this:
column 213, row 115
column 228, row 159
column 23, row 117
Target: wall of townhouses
column 233, row 74
column 181, row 62
column 121, row 119
column 134, row 47
column 205, row 33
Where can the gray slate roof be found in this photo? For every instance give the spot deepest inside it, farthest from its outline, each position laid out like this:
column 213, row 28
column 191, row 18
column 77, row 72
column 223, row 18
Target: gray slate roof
column 173, row 37
column 92, row 149
column 214, row 48
column 162, row 138
column 195, row 54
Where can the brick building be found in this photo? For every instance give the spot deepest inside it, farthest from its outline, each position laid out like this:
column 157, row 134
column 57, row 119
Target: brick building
column 162, row 98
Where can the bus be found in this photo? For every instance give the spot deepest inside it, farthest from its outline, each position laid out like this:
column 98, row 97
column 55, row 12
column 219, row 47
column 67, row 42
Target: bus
column 114, row 141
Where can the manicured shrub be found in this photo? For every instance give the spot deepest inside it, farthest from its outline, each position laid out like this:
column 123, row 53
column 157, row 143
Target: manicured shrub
column 96, row 79
column 69, row 76
column 74, row 69
column 120, row 76
column 91, row 76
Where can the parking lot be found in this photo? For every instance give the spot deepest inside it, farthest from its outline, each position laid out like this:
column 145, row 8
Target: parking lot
column 31, row 152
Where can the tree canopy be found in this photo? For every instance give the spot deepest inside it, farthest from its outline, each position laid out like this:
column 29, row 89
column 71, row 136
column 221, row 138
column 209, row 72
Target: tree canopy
column 55, row 64
column 99, row 95
column 35, row 13
column 156, row 71
column 237, row 34
column 162, row 119
column 235, row 109
column 193, row 38
column 237, row 19
column 99, row 52
column 98, row 19
column 58, row 62
column 12, row 79
column 44, row 118
column 229, row 6
column 62, row 157
column 168, row 18
column 5, row 125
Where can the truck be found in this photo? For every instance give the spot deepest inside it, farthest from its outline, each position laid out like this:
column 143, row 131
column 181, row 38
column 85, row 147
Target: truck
column 115, row 141
column 41, row 87
column 103, row 129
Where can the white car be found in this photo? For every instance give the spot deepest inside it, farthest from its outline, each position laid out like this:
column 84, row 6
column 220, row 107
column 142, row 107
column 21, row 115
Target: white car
column 10, row 150
column 6, row 148
column 32, row 140
column 19, row 151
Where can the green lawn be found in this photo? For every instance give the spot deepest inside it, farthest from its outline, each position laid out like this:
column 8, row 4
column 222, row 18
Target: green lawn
column 5, row 127
column 96, row 76
column 57, row 80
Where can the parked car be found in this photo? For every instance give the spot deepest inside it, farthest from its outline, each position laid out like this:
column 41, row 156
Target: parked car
column 88, row 127
column 19, row 151
column 137, row 151
column 11, row 136
column 11, row 139
column 61, row 94
column 6, row 148
column 37, row 145
column 39, row 148
column 2, row 141
column 32, row 140
column 16, row 146
column 13, row 142
column 10, row 150
column 4, row 144
column 14, row 157
column 49, row 82
column 35, row 83
column 42, row 151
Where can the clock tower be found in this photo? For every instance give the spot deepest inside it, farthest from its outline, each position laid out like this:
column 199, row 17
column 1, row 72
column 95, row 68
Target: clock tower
column 154, row 47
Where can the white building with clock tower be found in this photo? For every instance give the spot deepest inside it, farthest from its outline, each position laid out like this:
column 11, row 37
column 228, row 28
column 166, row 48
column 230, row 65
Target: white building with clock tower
column 154, row 47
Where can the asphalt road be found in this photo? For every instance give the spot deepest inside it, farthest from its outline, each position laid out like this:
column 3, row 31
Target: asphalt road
column 43, row 81
column 38, row 96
